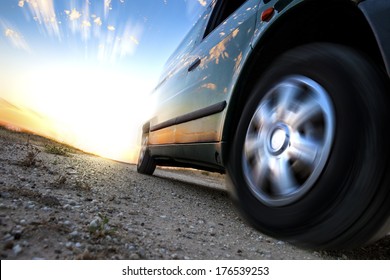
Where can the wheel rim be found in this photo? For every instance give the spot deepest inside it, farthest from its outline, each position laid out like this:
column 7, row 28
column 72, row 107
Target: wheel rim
column 288, row 141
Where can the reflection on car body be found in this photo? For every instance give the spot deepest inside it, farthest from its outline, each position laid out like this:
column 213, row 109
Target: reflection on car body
column 289, row 98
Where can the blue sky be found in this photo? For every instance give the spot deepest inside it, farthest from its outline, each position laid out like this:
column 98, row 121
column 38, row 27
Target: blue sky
column 86, row 66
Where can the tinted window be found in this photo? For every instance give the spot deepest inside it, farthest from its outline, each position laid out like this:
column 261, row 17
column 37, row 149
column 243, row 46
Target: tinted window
column 223, row 9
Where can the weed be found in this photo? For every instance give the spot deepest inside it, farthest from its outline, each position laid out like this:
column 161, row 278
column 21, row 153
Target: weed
column 81, row 184
column 99, row 227
column 56, row 150
column 31, row 157
column 59, row 181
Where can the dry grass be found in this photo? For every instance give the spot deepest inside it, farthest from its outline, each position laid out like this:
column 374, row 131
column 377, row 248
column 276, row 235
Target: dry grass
column 57, row 150
column 31, row 157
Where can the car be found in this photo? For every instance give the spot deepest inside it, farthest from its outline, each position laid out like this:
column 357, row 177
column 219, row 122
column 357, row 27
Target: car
column 289, row 98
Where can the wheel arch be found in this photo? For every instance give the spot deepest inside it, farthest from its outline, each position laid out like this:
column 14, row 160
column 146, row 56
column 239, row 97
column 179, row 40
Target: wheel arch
column 331, row 21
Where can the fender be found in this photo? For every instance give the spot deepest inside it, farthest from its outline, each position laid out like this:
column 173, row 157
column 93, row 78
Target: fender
column 377, row 13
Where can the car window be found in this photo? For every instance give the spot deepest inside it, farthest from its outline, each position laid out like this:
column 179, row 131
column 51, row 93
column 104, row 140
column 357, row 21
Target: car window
column 178, row 57
column 223, row 9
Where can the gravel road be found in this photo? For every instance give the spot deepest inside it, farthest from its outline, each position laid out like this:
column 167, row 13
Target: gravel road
column 60, row 203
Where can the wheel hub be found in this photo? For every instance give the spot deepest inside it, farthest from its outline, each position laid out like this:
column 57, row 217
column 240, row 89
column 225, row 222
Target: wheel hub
column 278, row 139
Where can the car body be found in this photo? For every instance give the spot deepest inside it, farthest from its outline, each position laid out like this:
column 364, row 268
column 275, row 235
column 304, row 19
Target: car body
column 285, row 96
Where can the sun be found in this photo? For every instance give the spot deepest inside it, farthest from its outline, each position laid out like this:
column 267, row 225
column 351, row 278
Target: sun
column 97, row 109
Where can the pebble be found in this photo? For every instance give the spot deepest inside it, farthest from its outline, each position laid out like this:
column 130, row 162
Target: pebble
column 5, row 194
column 17, row 249
column 95, row 224
column 67, row 207
column 74, row 234
column 30, row 205
column 8, row 237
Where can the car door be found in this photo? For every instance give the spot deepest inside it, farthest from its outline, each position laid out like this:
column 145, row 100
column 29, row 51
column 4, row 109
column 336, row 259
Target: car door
column 214, row 65
column 172, row 85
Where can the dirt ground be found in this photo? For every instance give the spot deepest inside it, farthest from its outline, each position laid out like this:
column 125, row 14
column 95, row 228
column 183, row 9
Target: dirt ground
column 59, row 203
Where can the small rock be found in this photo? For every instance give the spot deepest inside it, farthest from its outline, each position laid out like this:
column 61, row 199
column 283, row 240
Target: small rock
column 8, row 237
column 130, row 247
column 30, row 206
column 5, row 194
column 95, row 224
column 50, row 200
column 72, row 172
column 74, row 234
column 134, row 256
column 67, row 207
column 17, row 249
column 212, row 232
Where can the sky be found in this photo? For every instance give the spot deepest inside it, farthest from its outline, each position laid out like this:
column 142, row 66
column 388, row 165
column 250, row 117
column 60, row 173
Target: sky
column 81, row 71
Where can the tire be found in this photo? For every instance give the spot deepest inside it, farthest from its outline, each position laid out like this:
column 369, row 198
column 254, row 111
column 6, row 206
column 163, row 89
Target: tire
column 146, row 164
column 309, row 160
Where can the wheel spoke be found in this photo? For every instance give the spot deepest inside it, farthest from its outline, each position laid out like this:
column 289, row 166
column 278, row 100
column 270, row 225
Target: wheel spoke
column 286, row 98
column 306, row 112
column 305, row 150
column 264, row 115
column 260, row 173
column 282, row 177
column 252, row 145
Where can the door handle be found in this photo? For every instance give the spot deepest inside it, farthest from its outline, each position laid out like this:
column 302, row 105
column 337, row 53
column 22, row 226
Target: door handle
column 194, row 64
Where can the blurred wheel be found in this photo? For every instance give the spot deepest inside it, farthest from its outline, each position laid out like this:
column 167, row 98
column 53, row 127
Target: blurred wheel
column 309, row 161
column 288, row 141
column 146, row 164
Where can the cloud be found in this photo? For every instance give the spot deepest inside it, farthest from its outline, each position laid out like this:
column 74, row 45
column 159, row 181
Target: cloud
column 43, row 12
column 86, row 23
column 195, row 8
column 202, row 2
column 15, row 37
column 107, row 7
column 74, row 15
column 135, row 41
column 120, row 42
column 98, row 21
column 103, row 34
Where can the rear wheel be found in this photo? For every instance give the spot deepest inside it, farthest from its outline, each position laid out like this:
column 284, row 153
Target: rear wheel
column 146, row 164
column 309, row 161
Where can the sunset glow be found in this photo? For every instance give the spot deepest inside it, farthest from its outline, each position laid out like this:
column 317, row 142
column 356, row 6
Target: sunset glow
column 81, row 71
